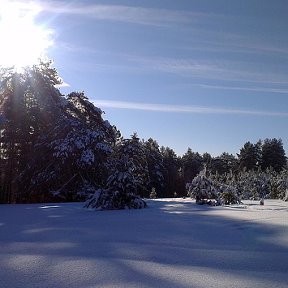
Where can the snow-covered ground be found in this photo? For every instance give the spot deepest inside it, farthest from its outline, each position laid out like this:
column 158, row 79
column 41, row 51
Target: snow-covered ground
column 173, row 243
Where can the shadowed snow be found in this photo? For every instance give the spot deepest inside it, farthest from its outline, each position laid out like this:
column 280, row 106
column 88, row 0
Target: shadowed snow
column 173, row 243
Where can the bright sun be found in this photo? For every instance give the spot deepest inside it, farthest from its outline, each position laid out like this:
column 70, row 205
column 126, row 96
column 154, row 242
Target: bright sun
column 22, row 41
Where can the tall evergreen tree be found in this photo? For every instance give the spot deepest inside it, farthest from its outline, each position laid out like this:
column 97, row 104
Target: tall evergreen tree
column 224, row 163
column 72, row 156
column 155, row 166
column 192, row 164
column 133, row 151
column 250, row 156
column 273, row 155
column 25, row 99
column 207, row 158
column 173, row 177
column 51, row 145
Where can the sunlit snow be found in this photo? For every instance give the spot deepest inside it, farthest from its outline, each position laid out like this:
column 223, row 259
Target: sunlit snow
column 173, row 243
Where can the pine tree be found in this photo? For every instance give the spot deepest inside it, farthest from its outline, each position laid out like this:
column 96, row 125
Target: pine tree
column 153, row 194
column 273, row 155
column 72, row 155
column 279, row 185
column 51, row 145
column 229, row 195
column 207, row 158
column 173, row 175
column 127, row 181
column 203, row 190
column 250, row 156
column 155, row 165
column 28, row 103
column 192, row 164
column 223, row 164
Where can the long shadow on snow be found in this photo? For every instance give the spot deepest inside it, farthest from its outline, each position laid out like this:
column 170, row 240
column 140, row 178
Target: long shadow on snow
column 170, row 234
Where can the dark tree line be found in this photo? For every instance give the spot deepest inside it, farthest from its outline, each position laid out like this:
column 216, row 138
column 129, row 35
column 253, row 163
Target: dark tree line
column 52, row 146
column 59, row 148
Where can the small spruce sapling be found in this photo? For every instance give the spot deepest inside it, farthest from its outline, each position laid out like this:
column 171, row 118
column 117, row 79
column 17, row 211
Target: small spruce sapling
column 153, row 194
column 202, row 189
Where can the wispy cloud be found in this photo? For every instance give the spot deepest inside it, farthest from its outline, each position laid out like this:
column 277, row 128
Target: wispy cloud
column 250, row 76
column 235, row 45
column 122, row 13
column 184, row 109
column 215, row 40
column 221, row 69
column 199, row 34
column 253, row 89
column 244, row 72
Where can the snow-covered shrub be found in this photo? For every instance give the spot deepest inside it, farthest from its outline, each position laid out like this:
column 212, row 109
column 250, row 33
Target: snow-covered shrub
column 286, row 196
column 251, row 184
column 86, row 190
column 282, row 185
column 153, row 194
column 229, row 195
column 203, row 190
column 108, row 199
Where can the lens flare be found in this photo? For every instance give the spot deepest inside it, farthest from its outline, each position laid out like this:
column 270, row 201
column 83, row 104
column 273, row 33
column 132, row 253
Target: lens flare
column 22, row 41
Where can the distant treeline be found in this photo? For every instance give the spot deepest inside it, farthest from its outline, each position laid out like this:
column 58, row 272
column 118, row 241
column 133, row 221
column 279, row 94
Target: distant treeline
column 59, row 148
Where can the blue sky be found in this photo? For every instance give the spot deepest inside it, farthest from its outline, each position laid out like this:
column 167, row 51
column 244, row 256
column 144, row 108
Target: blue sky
column 209, row 75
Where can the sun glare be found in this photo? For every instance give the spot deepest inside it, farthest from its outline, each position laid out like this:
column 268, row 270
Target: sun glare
column 22, row 41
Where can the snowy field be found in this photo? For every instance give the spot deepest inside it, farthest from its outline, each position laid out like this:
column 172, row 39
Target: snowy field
column 173, row 243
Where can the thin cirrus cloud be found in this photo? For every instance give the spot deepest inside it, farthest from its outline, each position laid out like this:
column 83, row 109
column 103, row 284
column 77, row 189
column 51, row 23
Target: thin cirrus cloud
column 254, row 89
column 216, row 70
column 164, row 17
column 222, row 70
column 215, row 42
column 200, row 38
column 122, row 13
column 184, row 109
